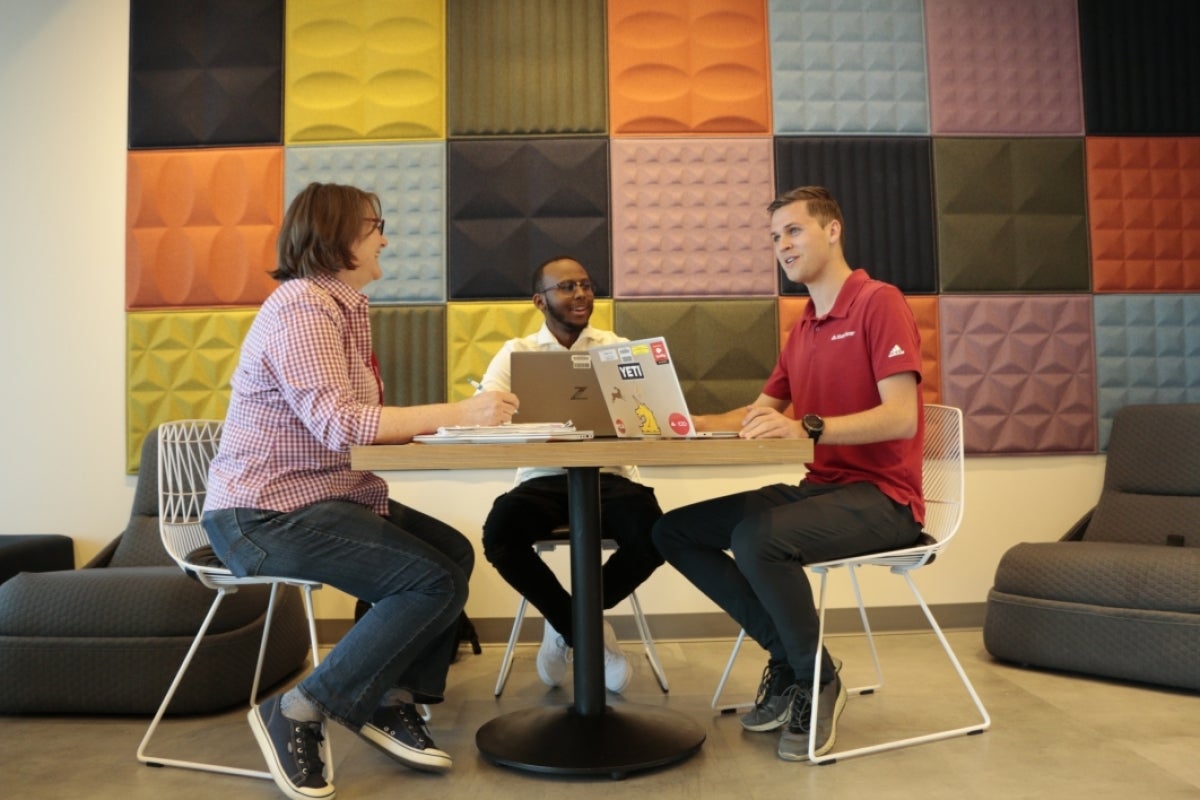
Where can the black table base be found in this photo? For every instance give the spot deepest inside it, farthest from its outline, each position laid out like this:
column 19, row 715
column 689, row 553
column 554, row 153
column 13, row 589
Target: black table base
column 558, row 740
column 588, row 737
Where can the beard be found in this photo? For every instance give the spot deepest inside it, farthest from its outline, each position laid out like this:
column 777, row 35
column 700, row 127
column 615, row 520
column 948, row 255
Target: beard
column 559, row 316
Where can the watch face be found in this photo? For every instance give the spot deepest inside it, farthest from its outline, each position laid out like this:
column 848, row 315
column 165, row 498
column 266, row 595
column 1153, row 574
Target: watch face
column 813, row 422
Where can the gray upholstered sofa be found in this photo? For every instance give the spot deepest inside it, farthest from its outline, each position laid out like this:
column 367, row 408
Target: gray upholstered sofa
column 1119, row 595
column 108, row 638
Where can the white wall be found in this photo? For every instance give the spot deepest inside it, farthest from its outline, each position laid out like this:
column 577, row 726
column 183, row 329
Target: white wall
column 63, row 86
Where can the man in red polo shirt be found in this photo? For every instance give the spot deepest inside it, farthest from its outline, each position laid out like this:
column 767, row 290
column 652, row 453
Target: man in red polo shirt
column 851, row 372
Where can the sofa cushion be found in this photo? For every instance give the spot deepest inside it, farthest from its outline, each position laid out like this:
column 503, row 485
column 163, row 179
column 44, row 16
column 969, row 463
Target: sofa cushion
column 118, row 602
column 1108, row 574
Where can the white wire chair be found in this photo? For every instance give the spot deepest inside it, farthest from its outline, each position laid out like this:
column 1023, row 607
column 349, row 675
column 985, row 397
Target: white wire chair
column 549, row 545
column 943, row 478
column 185, row 449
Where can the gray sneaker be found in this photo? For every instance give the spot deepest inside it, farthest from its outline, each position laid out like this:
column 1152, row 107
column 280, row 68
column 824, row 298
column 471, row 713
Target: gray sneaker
column 773, row 703
column 793, row 742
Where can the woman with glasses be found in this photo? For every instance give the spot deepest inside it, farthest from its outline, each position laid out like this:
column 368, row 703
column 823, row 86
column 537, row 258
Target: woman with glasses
column 283, row 501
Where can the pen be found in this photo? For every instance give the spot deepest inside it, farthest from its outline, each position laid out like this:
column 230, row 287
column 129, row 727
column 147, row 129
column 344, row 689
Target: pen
column 478, row 386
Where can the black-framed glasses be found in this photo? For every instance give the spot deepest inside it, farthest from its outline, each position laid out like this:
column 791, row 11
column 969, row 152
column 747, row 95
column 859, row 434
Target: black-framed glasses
column 376, row 223
column 569, row 287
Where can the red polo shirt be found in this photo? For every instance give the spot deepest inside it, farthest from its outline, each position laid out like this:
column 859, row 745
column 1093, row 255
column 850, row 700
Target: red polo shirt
column 832, row 366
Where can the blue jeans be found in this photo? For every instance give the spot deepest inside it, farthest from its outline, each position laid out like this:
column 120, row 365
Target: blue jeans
column 410, row 567
column 773, row 532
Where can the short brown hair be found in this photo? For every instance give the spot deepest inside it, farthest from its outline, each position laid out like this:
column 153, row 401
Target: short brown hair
column 320, row 228
column 820, row 203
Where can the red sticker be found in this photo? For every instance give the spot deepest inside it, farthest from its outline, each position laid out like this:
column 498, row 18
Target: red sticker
column 679, row 424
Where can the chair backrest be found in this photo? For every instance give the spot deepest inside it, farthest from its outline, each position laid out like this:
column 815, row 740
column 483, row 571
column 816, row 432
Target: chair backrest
column 943, row 470
column 185, row 449
column 1151, row 491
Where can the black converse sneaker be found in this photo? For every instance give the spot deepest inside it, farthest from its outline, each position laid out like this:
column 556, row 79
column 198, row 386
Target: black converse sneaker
column 292, row 750
column 400, row 732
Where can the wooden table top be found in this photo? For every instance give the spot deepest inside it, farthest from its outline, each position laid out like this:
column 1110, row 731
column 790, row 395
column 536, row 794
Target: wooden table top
column 586, row 453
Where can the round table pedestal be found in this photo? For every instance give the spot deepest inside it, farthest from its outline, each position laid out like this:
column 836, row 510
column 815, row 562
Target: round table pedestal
column 559, row 740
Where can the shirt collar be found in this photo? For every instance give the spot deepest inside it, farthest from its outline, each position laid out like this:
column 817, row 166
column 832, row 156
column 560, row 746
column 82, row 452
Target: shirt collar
column 587, row 337
column 342, row 292
column 841, row 306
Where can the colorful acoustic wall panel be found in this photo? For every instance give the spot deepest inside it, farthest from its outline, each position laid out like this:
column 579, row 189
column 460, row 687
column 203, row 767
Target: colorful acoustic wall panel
column 364, row 70
column 849, row 68
column 526, row 67
column 205, row 73
column 688, row 67
column 201, row 226
column 1028, row 173
column 1004, row 68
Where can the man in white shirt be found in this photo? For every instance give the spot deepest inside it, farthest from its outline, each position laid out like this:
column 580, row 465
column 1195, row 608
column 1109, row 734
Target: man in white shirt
column 537, row 505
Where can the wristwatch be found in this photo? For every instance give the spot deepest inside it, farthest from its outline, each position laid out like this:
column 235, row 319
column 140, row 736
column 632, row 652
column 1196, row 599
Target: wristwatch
column 814, row 426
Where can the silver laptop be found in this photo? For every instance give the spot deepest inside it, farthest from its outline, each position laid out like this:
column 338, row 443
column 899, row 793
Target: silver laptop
column 557, row 386
column 642, row 391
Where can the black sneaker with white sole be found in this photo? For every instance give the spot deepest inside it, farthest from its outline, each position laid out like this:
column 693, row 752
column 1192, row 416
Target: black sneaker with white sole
column 401, row 732
column 292, row 750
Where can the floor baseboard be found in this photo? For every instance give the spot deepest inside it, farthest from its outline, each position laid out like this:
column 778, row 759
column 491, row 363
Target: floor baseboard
column 713, row 625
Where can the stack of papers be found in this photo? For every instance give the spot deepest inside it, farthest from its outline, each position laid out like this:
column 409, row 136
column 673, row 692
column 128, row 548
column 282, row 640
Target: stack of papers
column 513, row 432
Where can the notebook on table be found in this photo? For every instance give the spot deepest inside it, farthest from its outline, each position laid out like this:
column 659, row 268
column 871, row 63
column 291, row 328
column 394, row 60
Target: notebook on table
column 560, row 386
column 642, row 391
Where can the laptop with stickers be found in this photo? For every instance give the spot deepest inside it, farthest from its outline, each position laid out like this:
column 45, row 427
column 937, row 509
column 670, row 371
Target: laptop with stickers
column 642, row 391
column 557, row 386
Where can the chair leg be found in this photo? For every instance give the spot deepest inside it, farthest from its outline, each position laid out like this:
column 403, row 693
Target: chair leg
column 648, row 643
column 507, row 659
column 727, row 709
column 862, row 615
column 985, row 720
column 262, row 649
column 162, row 709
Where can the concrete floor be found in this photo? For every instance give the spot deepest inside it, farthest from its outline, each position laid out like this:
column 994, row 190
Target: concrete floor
column 1052, row 736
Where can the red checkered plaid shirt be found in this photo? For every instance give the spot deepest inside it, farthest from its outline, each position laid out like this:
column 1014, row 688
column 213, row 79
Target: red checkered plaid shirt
column 306, row 388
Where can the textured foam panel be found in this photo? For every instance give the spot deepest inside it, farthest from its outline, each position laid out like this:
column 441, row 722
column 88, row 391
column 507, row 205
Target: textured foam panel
column 513, row 203
column 409, row 179
column 475, row 332
column 689, row 219
column 525, row 67
column 688, row 66
column 724, row 350
column 1147, row 351
column 205, row 72
column 925, row 312
column 1144, row 211
column 1022, row 370
column 848, row 67
column 1141, row 66
column 1011, row 215
column 884, row 188
column 201, row 226
column 410, row 345
column 178, row 366
column 1004, row 68
column 359, row 70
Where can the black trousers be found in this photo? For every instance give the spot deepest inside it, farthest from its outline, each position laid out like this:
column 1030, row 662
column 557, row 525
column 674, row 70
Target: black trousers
column 770, row 534
column 531, row 510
